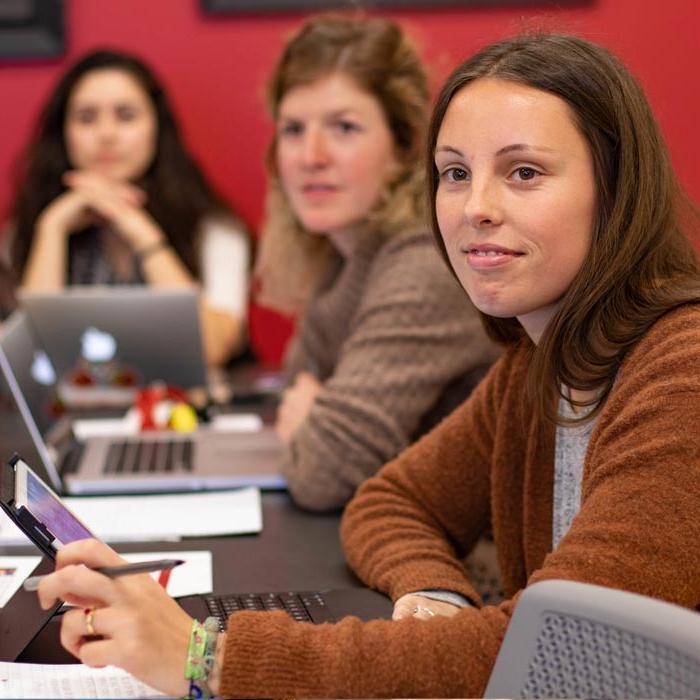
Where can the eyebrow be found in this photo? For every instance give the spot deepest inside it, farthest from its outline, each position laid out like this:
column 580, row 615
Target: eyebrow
column 501, row 151
column 335, row 114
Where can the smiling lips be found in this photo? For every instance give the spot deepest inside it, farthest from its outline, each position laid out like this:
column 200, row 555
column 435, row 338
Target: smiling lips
column 488, row 256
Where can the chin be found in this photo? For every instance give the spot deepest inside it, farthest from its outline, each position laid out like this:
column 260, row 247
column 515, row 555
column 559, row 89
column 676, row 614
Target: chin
column 498, row 308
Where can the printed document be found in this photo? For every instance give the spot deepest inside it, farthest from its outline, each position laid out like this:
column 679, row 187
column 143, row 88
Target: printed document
column 69, row 681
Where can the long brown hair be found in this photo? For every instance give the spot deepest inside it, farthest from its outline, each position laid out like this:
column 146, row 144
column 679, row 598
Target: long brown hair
column 179, row 195
column 379, row 58
column 640, row 263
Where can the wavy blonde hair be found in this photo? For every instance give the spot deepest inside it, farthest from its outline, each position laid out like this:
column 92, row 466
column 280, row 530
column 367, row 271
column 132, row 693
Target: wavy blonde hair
column 379, row 58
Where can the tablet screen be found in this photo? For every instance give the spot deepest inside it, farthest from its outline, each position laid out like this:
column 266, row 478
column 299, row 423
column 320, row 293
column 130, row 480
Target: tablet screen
column 47, row 508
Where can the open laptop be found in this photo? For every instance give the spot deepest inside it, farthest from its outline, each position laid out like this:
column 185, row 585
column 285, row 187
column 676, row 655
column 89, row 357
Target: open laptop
column 154, row 332
column 147, row 463
column 41, row 515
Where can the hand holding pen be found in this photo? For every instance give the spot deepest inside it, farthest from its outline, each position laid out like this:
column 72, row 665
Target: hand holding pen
column 141, row 567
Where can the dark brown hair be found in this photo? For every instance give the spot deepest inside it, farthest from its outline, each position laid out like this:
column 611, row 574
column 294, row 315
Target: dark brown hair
column 178, row 195
column 640, row 263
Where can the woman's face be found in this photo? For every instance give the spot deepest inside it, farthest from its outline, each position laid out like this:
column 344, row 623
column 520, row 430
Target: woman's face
column 111, row 125
column 335, row 153
column 516, row 198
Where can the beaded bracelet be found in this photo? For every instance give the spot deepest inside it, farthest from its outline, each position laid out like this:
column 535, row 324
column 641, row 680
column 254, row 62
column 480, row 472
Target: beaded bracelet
column 201, row 656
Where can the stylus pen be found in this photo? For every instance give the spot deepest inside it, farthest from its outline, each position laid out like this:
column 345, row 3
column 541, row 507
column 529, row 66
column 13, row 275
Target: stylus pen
column 140, row 567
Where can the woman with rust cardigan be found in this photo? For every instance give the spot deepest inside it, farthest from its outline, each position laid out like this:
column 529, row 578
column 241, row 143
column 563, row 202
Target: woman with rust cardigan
column 559, row 213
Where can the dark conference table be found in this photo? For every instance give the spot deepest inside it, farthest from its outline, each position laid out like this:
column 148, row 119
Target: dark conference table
column 296, row 550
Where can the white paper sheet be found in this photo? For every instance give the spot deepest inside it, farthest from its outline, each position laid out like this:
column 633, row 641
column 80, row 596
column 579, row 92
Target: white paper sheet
column 161, row 518
column 237, row 423
column 86, row 428
column 192, row 577
column 69, row 681
column 9, row 532
column 13, row 571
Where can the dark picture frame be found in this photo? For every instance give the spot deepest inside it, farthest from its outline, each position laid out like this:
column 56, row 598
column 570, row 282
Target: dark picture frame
column 234, row 6
column 31, row 29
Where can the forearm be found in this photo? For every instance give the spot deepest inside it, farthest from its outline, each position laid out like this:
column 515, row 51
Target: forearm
column 222, row 334
column 45, row 270
column 408, row 528
column 162, row 266
column 271, row 655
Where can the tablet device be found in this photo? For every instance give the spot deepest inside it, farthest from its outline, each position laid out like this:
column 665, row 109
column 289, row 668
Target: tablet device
column 37, row 510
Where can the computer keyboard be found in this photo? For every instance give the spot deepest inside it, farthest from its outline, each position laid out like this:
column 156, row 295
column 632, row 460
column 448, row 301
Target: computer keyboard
column 132, row 456
column 303, row 607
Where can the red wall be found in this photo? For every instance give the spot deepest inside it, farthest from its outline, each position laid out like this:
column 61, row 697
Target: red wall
column 215, row 69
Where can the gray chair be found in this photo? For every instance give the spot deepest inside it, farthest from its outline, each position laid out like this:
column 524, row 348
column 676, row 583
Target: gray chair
column 576, row 640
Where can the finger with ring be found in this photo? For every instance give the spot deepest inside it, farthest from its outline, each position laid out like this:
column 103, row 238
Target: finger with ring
column 89, row 619
column 417, row 609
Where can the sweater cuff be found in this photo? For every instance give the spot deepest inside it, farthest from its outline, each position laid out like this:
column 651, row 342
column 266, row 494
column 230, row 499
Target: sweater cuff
column 443, row 596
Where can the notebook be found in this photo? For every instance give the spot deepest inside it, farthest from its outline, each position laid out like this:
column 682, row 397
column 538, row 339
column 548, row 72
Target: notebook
column 148, row 463
column 153, row 332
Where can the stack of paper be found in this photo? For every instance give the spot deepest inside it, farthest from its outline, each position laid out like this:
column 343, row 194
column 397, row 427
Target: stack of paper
column 69, row 681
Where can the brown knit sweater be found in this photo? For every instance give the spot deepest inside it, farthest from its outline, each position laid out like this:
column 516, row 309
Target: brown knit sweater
column 638, row 529
column 397, row 345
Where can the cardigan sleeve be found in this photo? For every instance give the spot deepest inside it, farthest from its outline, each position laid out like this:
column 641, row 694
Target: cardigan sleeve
column 408, row 528
column 413, row 335
column 637, row 530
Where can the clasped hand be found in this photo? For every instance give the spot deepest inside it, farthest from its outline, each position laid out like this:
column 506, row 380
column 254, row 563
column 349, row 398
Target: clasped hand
column 92, row 197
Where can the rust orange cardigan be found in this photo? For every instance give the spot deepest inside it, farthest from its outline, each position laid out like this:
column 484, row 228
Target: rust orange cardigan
column 638, row 529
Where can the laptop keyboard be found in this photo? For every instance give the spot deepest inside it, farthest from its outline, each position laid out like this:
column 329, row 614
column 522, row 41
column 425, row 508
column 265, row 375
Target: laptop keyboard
column 72, row 457
column 132, row 457
column 303, row 607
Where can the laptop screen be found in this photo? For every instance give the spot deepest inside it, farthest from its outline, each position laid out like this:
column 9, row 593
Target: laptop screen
column 19, row 431
column 14, row 434
column 32, row 369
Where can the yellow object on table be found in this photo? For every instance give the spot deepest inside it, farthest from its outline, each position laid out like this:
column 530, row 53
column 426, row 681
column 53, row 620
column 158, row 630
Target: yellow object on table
column 183, row 418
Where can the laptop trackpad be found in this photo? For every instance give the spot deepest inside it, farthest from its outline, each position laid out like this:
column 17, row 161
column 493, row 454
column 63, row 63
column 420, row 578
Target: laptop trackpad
column 214, row 451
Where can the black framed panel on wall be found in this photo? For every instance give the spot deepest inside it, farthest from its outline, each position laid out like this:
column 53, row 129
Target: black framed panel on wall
column 31, row 29
column 215, row 6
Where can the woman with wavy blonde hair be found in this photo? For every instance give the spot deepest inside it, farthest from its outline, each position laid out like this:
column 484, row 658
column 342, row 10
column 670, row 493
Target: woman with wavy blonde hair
column 386, row 344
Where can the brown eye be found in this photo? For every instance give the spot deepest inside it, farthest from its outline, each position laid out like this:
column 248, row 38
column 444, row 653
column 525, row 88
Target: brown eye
column 457, row 174
column 291, row 128
column 527, row 173
column 84, row 116
column 125, row 114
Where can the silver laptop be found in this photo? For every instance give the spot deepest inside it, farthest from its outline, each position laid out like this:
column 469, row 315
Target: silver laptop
column 152, row 331
column 147, row 463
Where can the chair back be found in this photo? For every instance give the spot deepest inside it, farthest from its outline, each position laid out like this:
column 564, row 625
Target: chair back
column 576, row 640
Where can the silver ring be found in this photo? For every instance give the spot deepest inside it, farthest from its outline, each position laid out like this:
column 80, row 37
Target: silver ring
column 421, row 608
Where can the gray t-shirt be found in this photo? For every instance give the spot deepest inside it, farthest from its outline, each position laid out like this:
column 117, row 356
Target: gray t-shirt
column 571, row 443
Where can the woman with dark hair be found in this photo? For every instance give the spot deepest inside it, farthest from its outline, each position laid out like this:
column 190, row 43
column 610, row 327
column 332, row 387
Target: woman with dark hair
column 556, row 207
column 109, row 195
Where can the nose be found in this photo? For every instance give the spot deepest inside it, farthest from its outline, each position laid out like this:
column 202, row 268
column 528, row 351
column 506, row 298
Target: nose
column 314, row 149
column 106, row 127
column 482, row 207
